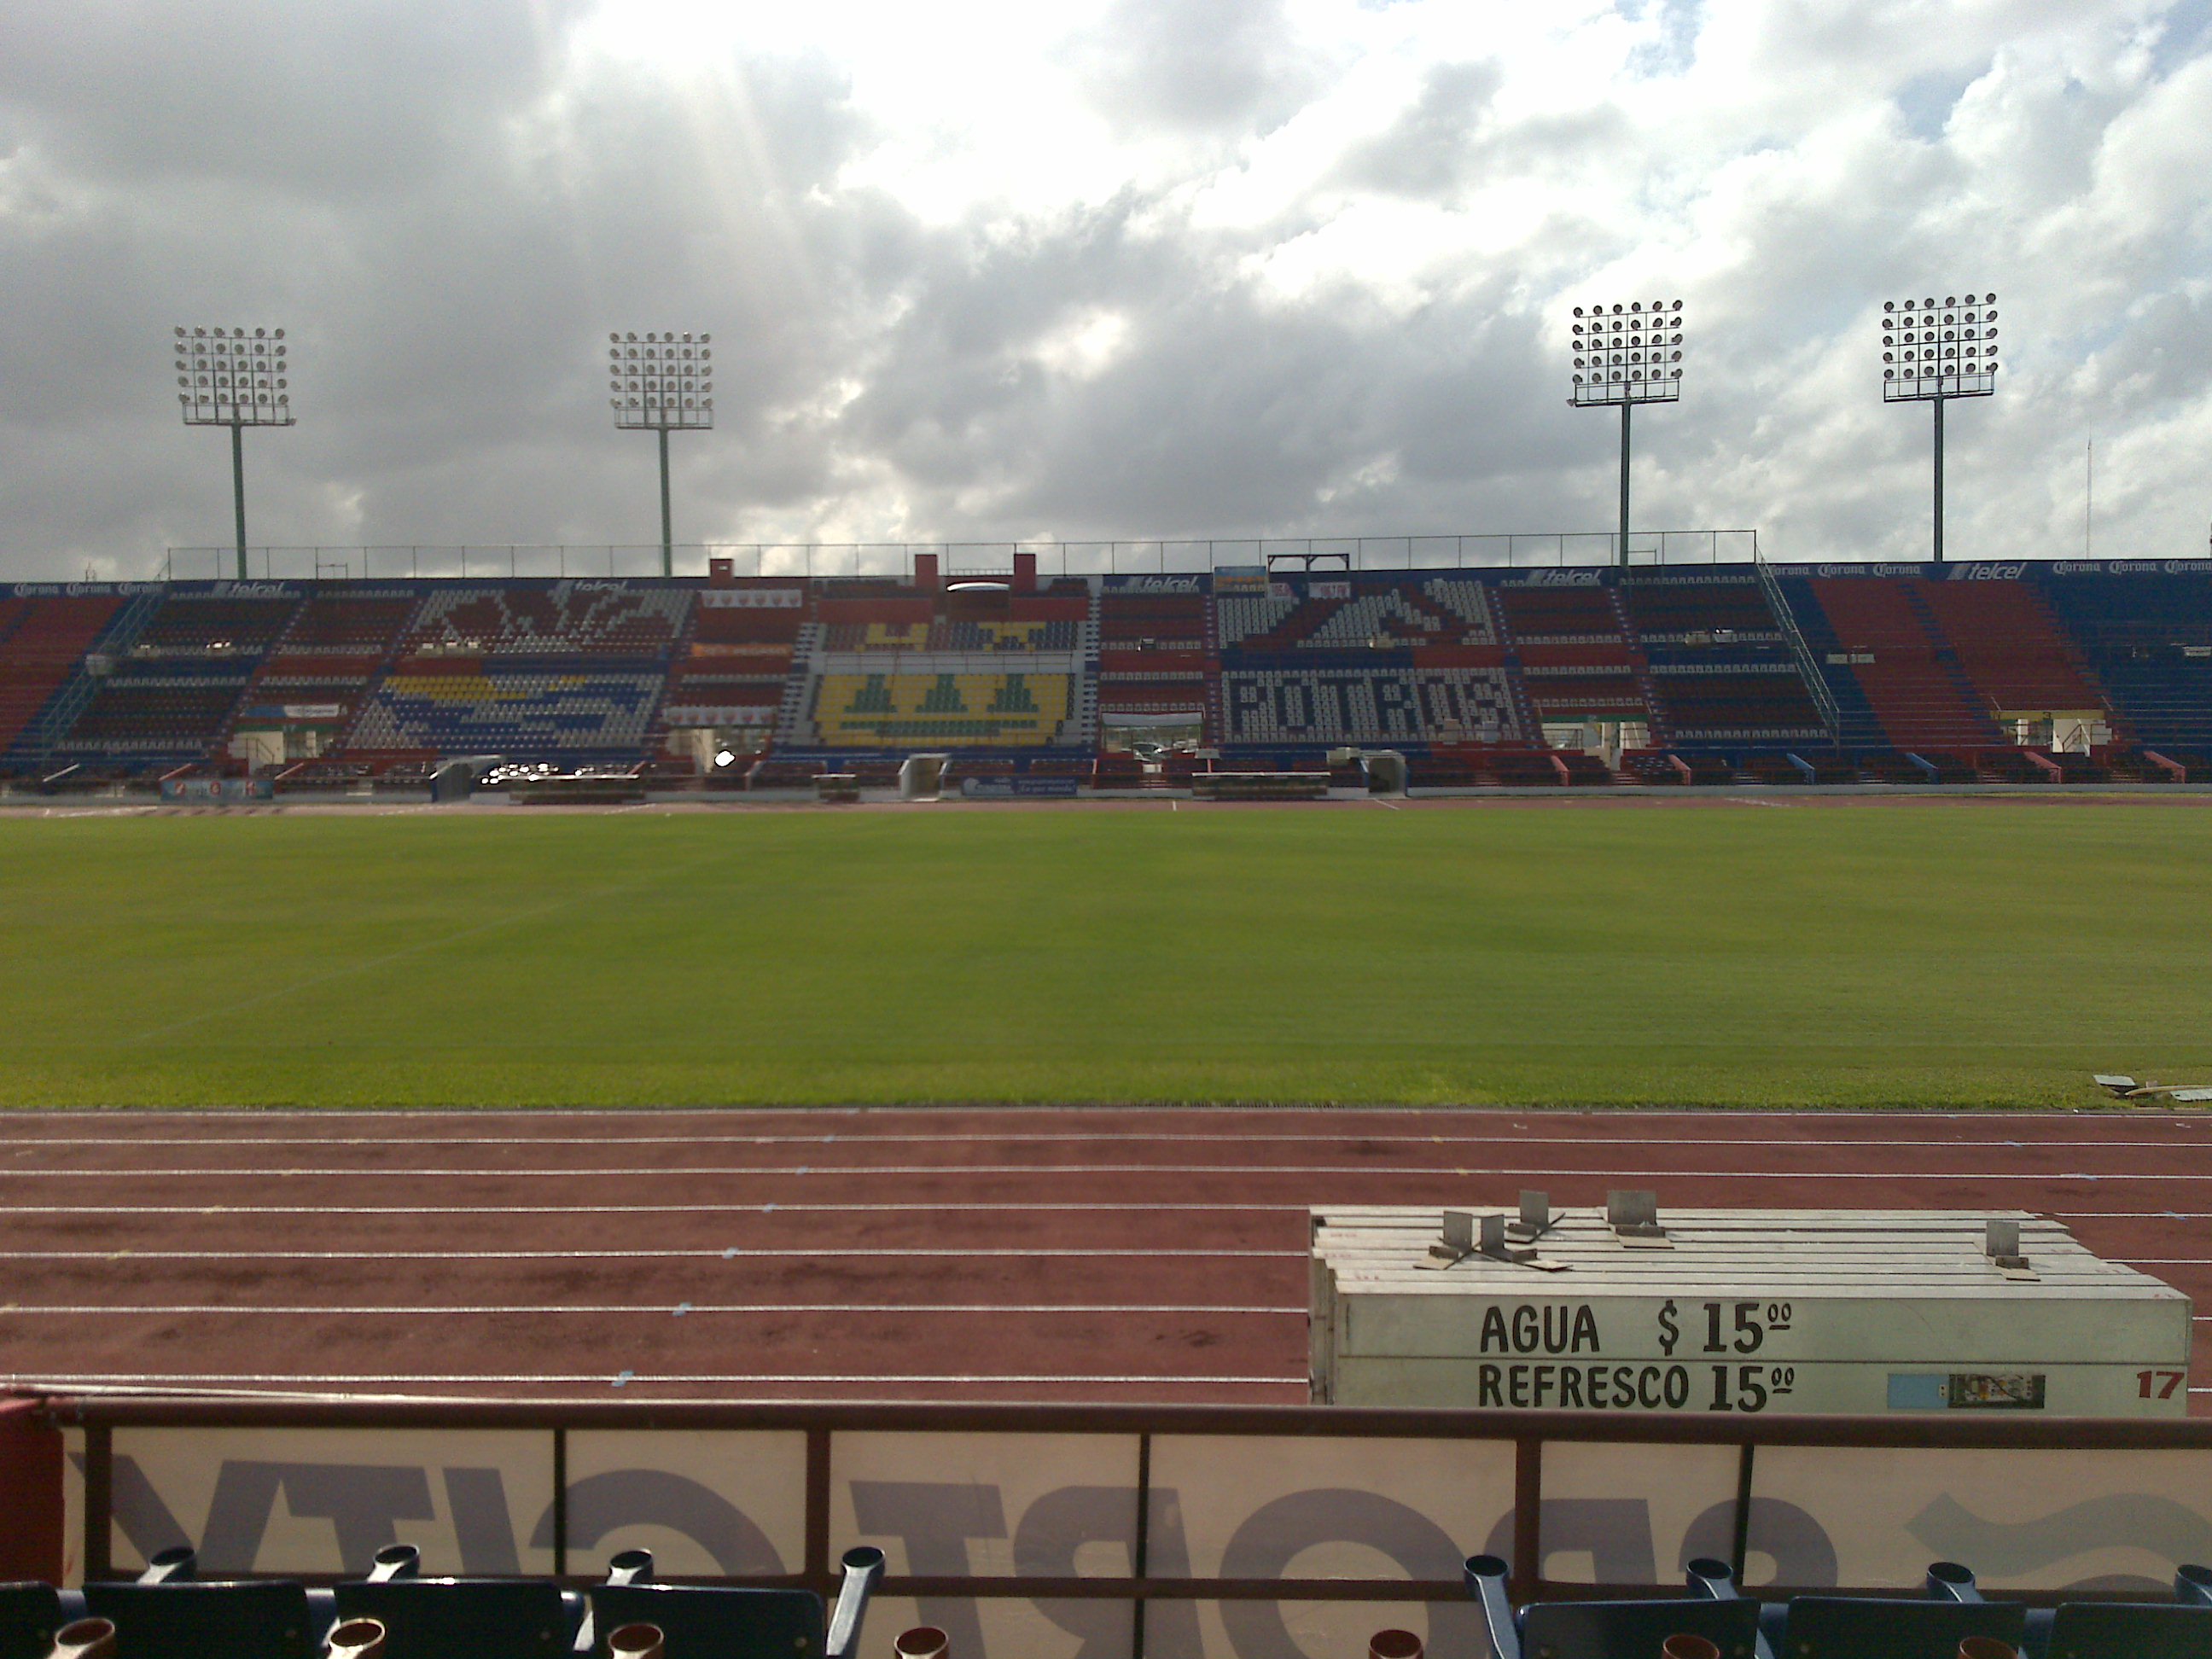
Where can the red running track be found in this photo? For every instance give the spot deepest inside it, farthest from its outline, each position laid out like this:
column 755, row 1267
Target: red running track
column 967, row 1254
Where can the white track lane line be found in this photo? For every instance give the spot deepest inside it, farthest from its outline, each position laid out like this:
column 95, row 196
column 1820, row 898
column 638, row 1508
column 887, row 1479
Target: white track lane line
column 908, row 1172
column 770, row 1208
column 206, row 1142
column 888, row 1252
column 676, row 1310
column 948, row 1207
column 572, row 1115
column 17, row 1309
column 58, row 1381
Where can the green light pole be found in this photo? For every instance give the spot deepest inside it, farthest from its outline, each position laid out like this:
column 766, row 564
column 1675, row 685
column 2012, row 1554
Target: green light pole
column 1932, row 353
column 226, row 378
column 1626, row 355
column 661, row 384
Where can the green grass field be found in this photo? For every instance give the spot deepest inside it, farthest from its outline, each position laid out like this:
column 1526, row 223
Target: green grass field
column 1940, row 954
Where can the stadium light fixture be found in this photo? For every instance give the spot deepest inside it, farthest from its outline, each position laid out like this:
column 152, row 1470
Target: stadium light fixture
column 1934, row 351
column 228, row 377
column 1625, row 354
column 662, row 383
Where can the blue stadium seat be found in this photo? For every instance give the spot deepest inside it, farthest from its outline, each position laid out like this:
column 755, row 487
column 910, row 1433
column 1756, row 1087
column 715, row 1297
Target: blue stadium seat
column 441, row 1618
column 734, row 1623
column 1880, row 1627
column 1617, row 1630
column 167, row 1614
column 30, row 1616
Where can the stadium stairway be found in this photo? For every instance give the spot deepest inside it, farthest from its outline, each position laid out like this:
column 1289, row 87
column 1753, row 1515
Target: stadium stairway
column 44, row 682
column 798, row 688
column 174, row 666
column 679, row 648
column 1923, row 703
column 1858, row 730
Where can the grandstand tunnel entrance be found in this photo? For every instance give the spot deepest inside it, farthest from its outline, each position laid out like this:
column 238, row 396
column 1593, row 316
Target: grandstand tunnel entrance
column 921, row 776
column 1386, row 772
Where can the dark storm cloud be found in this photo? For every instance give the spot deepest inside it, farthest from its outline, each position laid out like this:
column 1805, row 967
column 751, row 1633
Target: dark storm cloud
column 366, row 95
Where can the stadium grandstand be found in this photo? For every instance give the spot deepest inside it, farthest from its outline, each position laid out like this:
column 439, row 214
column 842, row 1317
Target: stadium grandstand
column 1475, row 678
column 1046, row 1383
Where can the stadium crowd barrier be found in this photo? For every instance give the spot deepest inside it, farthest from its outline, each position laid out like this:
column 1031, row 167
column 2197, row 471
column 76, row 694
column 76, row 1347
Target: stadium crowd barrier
column 1055, row 1532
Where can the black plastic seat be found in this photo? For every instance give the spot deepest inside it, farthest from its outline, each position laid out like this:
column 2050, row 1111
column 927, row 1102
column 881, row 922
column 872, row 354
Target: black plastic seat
column 740, row 1623
column 1885, row 1627
column 734, row 1623
column 259, row 1619
column 30, row 1613
column 1617, row 1630
column 168, row 1614
column 482, row 1618
column 2181, row 1629
column 1867, row 1627
column 2113, row 1630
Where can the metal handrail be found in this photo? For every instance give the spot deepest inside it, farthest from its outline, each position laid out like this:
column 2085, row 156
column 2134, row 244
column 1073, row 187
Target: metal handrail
column 1815, row 681
column 1505, row 549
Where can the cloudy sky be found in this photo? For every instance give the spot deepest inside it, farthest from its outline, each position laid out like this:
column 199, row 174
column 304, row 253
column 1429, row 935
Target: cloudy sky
column 1100, row 268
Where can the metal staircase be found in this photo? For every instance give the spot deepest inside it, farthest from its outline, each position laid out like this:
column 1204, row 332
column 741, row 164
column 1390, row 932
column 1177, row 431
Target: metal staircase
column 63, row 709
column 1816, row 683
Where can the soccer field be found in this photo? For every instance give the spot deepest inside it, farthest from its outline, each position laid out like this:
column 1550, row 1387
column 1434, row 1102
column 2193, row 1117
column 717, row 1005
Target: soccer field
column 1938, row 953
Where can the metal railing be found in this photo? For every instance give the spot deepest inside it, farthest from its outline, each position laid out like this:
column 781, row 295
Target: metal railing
column 1168, row 1506
column 1816, row 682
column 1531, row 549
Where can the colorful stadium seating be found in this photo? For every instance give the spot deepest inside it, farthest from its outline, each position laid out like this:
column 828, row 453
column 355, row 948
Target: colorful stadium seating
column 923, row 711
column 538, row 619
column 1366, row 704
column 522, row 714
column 2147, row 637
column 1900, row 675
column 43, row 641
column 1911, row 680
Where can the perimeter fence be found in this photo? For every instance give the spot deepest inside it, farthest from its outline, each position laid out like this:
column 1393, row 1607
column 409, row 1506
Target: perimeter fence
column 1544, row 549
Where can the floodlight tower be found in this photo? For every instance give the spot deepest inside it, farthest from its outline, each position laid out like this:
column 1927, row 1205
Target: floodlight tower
column 226, row 379
column 664, row 385
column 1932, row 353
column 1626, row 355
